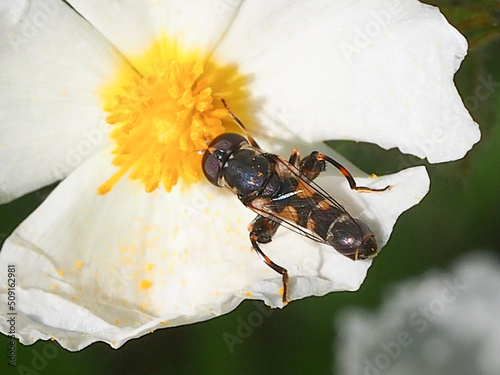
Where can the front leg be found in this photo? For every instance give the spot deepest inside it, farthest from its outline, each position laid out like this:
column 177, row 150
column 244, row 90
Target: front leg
column 261, row 231
column 315, row 163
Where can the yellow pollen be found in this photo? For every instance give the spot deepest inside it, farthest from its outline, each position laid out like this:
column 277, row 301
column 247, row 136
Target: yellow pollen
column 165, row 111
column 146, row 284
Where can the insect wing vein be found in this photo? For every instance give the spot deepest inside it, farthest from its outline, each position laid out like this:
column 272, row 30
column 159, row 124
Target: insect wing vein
column 287, row 207
column 291, row 226
column 309, row 185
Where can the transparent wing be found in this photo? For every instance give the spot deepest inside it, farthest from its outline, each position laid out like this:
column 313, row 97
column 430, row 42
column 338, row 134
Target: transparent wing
column 298, row 198
column 289, row 225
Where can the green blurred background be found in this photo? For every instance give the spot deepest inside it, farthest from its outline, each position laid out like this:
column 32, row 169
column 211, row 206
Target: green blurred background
column 460, row 214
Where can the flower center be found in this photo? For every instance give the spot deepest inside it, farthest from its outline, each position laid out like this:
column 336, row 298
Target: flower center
column 165, row 112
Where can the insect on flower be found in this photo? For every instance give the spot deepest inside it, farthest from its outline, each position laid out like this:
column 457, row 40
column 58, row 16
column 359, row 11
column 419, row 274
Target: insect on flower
column 283, row 193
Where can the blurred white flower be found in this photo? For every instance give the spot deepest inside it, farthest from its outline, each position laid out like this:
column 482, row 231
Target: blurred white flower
column 443, row 323
column 115, row 266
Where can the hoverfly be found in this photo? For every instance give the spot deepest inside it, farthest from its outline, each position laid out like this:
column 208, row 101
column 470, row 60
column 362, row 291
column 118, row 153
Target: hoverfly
column 283, row 193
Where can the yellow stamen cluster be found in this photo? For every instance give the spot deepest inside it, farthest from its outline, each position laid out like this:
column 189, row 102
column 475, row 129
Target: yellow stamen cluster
column 164, row 114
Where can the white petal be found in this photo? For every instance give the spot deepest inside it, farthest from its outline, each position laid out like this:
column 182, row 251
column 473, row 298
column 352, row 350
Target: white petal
column 88, row 254
column 81, row 258
column 375, row 70
column 52, row 63
column 317, row 271
column 132, row 25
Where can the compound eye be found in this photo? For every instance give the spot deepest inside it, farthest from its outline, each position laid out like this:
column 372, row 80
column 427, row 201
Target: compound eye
column 217, row 154
column 211, row 168
column 226, row 143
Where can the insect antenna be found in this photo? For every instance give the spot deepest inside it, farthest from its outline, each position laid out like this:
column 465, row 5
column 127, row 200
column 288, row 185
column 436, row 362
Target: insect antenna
column 252, row 141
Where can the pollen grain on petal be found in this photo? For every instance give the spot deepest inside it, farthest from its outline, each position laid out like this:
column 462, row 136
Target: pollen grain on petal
column 166, row 110
column 145, row 284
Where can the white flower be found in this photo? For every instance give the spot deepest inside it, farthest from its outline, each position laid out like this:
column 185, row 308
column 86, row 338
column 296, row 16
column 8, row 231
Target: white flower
column 442, row 323
column 116, row 265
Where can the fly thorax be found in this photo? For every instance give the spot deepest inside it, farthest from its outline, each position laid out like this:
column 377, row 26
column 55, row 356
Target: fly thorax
column 246, row 172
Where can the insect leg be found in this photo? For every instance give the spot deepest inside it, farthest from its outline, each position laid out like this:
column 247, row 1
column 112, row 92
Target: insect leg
column 252, row 141
column 311, row 166
column 295, row 158
column 314, row 164
column 261, row 231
